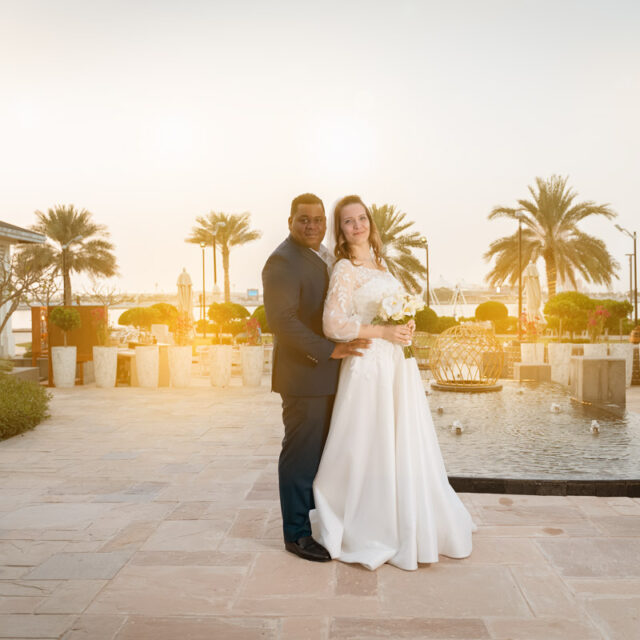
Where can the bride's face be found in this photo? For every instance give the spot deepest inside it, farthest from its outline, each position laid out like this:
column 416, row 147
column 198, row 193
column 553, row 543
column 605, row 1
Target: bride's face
column 354, row 224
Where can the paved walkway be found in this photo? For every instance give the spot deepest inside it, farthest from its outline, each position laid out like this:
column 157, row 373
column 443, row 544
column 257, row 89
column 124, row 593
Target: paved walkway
column 135, row 514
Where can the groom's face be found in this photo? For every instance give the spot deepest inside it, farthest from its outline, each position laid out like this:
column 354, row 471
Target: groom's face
column 308, row 225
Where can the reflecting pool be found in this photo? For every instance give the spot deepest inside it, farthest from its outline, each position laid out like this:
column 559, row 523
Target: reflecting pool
column 516, row 433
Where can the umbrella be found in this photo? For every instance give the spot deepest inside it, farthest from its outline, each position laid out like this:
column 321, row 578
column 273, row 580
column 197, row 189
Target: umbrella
column 184, row 293
column 532, row 293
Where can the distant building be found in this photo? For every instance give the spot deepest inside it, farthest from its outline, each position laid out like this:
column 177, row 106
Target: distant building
column 10, row 235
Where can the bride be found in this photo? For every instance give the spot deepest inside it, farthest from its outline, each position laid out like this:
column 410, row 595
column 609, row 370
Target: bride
column 381, row 491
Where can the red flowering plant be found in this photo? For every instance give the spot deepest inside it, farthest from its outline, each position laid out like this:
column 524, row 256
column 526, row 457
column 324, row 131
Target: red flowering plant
column 254, row 333
column 100, row 321
column 183, row 329
column 596, row 322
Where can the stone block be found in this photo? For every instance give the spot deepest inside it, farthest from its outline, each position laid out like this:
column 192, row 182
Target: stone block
column 598, row 380
column 532, row 352
column 30, row 374
column 531, row 372
column 559, row 357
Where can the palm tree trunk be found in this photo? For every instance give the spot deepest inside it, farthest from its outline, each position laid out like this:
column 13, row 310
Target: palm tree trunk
column 225, row 268
column 552, row 273
column 66, row 279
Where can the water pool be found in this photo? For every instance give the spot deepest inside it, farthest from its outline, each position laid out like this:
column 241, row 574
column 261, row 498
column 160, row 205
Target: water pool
column 514, row 434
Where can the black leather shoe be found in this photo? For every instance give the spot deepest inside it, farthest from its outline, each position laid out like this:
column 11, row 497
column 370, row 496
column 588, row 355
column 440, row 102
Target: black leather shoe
column 308, row 549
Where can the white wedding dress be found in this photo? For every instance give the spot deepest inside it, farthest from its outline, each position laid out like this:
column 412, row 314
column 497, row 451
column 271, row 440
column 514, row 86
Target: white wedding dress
column 381, row 491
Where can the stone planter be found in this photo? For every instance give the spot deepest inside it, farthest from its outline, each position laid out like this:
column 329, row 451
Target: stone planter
column 180, row 366
column 63, row 362
column 595, row 350
column 559, row 359
column 532, row 353
column 105, row 365
column 625, row 351
column 252, row 359
column 147, row 366
column 220, row 364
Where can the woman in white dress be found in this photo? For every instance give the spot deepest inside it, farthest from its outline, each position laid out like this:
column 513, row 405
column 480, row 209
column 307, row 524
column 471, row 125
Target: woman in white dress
column 381, row 491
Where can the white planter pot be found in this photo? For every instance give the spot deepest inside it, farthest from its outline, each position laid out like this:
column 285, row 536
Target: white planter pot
column 252, row 359
column 559, row 359
column 595, row 350
column 105, row 365
column 63, row 362
column 220, row 364
column 623, row 350
column 147, row 366
column 532, row 353
column 180, row 366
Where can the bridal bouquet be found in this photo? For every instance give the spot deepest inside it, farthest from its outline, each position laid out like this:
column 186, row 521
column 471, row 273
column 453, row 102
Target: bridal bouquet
column 399, row 308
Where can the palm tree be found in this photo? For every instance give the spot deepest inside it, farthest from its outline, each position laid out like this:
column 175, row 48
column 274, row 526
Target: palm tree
column 82, row 244
column 550, row 232
column 397, row 245
column 228, row 230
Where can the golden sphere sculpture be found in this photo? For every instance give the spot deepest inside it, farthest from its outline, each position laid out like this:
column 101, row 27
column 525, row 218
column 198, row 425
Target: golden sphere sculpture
column 467, row 357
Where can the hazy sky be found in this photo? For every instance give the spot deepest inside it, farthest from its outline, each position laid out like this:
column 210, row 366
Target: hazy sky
column 150, row 113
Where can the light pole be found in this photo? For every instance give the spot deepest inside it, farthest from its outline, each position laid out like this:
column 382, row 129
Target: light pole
column 519, row 216
column 630, row 256
column 66, row 293
column 202, row 306
column 425, row 244
column 635, row 272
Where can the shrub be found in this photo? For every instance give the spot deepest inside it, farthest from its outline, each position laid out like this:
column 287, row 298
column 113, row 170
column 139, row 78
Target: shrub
column 426, row 320
column 507, row 325
column 492, row 310
column 261, row 316
column 618, row 310
column 227, row 317
column 168, row 314
column 5, row 365
column 444, row 323
column 570, row 307
column 23, row 405
column 65, row 318
column 141, row 317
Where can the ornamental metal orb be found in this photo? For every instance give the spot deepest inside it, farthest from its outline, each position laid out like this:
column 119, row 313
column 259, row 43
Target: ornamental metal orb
column 467, row 357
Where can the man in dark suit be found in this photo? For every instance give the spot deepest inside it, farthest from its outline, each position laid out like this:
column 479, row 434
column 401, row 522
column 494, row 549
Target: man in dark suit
column 295, row 279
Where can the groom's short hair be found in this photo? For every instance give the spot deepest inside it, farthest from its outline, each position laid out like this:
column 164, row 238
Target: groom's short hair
column 305, row 198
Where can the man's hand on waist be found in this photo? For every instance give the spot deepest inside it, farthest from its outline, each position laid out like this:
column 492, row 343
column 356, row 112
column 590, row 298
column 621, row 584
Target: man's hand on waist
column 344, row 349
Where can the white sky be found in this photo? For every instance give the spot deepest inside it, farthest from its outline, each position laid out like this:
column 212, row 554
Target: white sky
column 151, row 113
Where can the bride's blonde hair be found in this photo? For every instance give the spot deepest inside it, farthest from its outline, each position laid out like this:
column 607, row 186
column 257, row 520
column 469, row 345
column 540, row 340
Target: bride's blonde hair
column 342, row 250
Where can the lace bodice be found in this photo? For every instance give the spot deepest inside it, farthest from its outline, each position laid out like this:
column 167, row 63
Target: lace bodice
column 354, row 298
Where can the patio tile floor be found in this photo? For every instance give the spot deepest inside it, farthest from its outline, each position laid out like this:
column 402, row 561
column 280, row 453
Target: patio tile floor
column 135, row 513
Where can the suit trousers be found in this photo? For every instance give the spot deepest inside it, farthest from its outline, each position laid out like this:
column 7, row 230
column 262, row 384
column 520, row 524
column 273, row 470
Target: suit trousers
column 306, row 425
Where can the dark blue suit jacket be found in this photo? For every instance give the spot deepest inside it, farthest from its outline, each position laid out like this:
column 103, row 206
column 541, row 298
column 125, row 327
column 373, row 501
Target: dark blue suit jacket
column 295, row 282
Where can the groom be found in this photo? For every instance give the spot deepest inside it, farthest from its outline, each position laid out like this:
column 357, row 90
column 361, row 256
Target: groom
column 295, row 279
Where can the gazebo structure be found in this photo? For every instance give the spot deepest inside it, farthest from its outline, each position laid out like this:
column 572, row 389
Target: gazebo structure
column 9, row 235
column 467, row 357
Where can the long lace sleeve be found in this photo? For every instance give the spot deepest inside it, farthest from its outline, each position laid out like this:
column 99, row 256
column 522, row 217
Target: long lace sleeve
column 339, row 320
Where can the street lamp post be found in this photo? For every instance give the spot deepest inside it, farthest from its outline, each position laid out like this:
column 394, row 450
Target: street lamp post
column 630, row 256
column 635, row 272
column 519, row 216
column 202, row 308
column 425, row 244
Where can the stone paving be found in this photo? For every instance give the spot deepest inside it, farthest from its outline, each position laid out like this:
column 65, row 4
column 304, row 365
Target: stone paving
column 135, row 514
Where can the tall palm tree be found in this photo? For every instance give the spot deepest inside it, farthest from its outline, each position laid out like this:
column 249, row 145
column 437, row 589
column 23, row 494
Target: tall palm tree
column 397, row 245
column 550, row 231
column 229, row 230
column 83, row 247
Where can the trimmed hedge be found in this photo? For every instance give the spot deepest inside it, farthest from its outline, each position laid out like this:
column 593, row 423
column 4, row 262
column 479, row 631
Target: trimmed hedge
column 260, row 314
column 23, row 405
